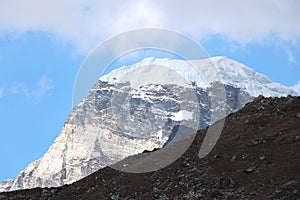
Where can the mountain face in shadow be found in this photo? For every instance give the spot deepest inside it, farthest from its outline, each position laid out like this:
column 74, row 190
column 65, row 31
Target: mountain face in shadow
column 256, row 157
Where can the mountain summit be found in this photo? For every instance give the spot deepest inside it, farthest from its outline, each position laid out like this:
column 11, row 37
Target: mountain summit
column 125, row 114
column 229, row 72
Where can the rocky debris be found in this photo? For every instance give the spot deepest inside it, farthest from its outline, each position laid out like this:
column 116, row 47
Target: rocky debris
column 279, row 114
column 225, row 182
column 288, row 191
column 262, row 157
column 234, row 169
column 251, row 169
column 233, row 158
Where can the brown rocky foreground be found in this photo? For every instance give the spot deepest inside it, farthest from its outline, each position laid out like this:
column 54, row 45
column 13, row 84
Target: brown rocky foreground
column 256, row 157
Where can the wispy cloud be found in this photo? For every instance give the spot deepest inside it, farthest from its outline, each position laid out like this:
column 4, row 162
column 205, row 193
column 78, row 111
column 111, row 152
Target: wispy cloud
column 242, row 21
column 1, row 91
column 35, row 93
column 296, row 87
column 291, row 57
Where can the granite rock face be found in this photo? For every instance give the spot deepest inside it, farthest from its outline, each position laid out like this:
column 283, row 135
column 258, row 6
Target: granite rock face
column 117, row 120
column 93, row 135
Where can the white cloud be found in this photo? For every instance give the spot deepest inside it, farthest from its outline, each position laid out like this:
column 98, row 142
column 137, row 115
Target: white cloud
column 35, row 93
column 291, row 57
column 296, row 87
column 244, row 21
column 141, row 14
column 1, row 92
column 86, row 23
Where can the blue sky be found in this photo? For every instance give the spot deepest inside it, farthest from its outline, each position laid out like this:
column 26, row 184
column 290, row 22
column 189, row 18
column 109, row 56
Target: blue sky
column 42, row 46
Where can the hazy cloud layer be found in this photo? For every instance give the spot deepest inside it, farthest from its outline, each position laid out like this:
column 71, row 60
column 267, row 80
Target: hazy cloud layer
column 86, row 23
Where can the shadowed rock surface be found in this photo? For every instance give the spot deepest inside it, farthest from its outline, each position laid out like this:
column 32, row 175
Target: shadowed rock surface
column 256, row 157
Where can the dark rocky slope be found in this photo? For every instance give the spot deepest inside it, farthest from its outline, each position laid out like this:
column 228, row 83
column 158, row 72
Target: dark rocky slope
column 256, row 157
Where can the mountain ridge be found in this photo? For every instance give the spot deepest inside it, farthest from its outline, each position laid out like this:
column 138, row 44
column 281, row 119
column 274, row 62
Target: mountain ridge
column 224, row 69
column 248, row 162
column 72, row 156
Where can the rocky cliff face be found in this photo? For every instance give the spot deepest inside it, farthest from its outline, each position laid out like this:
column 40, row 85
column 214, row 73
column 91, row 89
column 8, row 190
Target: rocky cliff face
column 91, row 137
column 256, row 157
column 117, row 120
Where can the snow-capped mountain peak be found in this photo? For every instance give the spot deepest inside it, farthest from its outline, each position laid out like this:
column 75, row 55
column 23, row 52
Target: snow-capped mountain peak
column 139, row 107
column 204, row 72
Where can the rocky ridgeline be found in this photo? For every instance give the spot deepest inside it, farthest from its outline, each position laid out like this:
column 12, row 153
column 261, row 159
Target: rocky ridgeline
column 256, row 157
column 114, row 116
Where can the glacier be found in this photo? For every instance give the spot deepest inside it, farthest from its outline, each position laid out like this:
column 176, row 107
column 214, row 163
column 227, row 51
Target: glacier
column 230, row 72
